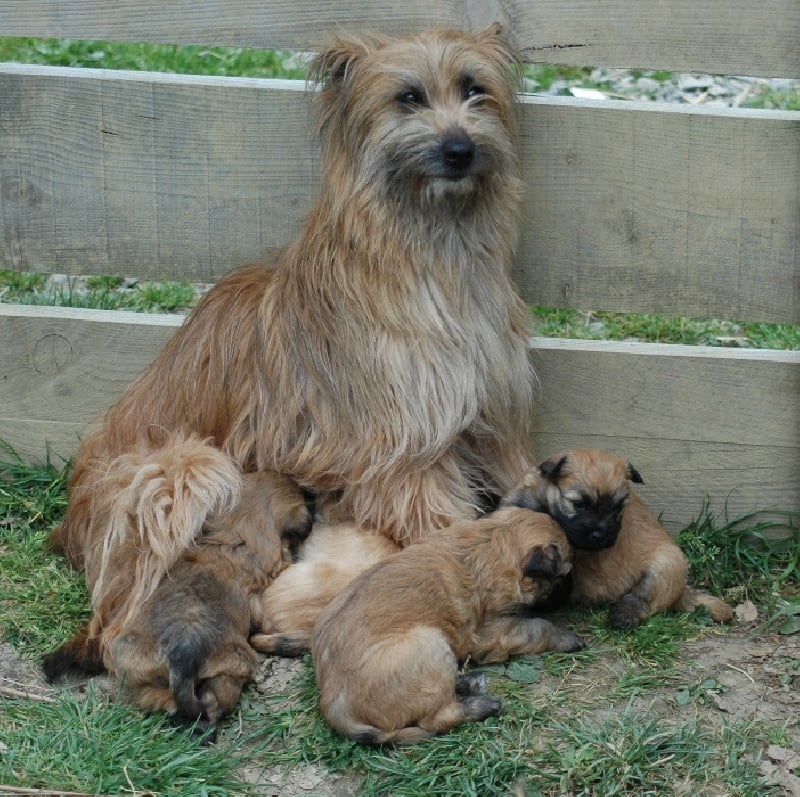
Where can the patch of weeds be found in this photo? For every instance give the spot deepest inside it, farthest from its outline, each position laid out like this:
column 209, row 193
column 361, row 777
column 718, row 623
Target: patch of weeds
column 105, row 292
column 774, row 99
column 15, row 284
column 105, row 281
column 162, row 297
column 601, row 325
column 629, row 754
column 188, row 59
column 42, row 601
column 105, row 747
column 542, row 76
column 637, row 680
column 755, row 554
column 32, row 494
column 700, row 692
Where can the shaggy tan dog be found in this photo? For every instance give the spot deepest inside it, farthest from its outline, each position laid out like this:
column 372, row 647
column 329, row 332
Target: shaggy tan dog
column 622, row 554
column 379, row 360
column 387, row 650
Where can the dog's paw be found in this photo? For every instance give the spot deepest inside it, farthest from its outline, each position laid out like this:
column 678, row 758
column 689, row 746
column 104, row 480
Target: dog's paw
column 627, row 613
column 294, row 524
column 570, row 642
column 480, row 707
column 471, row 683
column 544, row 563
column 289, row 644
column 79, row 657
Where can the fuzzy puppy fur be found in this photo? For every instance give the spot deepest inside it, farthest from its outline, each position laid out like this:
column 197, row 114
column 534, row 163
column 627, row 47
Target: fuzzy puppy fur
column 622, row 554
column 379, row 360
column 187, row 651
column 330, row 558
column 387, row 649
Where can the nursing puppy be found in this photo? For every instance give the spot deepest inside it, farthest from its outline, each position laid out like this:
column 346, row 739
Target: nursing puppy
column 329, row 559
column 387, row 650
column 622, row 554
column 379, row 360
column 187, row 651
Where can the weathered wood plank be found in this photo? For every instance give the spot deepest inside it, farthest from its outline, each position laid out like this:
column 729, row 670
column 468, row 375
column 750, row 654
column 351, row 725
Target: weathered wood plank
column 696, row 421
column 722, row 36
column 700, row 420
column 631, row 207
column 660, row 208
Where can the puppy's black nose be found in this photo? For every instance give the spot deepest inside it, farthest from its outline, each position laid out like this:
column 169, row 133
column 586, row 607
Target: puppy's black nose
column 458, row 152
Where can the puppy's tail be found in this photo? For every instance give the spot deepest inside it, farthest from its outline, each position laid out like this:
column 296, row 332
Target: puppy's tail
column 692, row 598
column 154, row 504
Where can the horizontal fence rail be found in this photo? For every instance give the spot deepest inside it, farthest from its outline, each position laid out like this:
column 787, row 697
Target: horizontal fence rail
column 696, row 421
column 632, row 207
column 720, row 36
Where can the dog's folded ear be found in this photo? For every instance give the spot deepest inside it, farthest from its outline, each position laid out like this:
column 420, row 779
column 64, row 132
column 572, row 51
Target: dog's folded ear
column 545, row 562
column 633, row 474
column 331, row 66
column 552, row 468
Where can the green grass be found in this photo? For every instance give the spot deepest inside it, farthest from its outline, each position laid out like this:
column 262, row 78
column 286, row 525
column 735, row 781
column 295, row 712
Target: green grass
column 601, row 325
column 98, row 293
column 95, row 745
column 756, row 556
column 190, row 60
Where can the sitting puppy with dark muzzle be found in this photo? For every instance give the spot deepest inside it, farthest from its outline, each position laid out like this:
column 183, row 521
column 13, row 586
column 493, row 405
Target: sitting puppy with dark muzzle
column 622, row 554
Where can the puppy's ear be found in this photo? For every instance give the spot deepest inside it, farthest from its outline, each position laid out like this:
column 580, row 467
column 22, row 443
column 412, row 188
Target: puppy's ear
column 633, row 474
column 545, row 562
column 551, row 468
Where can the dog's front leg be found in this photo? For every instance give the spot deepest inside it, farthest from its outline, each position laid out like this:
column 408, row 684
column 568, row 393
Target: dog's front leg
column 500, row 637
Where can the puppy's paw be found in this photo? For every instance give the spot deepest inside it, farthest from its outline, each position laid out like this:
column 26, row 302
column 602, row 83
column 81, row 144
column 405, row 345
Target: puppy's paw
column 627, row 613
column 294, row 523
column 471, row 683
column 480, row 707
column 544, row 563
column 570, row 642
column 289, row 644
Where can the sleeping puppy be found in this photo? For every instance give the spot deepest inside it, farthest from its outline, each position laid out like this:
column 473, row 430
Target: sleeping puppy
column 330, row 558
column 387, row 650
column 622, row 555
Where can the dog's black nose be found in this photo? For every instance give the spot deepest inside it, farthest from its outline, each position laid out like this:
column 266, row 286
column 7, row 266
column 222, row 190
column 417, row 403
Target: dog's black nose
column 458, row 152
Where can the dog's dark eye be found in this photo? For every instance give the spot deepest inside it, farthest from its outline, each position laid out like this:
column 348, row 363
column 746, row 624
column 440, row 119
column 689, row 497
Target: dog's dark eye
column 579, row 504
column 411, row 98
column 473, row 91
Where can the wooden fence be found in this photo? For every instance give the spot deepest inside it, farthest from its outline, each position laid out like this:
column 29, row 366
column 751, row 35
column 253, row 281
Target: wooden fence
column 630, row 206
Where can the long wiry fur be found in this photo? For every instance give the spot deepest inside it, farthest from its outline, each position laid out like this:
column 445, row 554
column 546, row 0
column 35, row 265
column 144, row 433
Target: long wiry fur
column 379, row 360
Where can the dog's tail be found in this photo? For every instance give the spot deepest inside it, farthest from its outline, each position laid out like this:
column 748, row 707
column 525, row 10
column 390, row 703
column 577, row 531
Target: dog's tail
column 692, row 598
column 152, row 505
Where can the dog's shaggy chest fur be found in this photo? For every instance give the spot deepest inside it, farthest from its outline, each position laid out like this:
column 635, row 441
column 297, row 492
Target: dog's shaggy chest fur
column 379, row 360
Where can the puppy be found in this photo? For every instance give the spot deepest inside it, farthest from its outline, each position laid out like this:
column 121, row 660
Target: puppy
column 380, row 360
column 330, row 558
column 186, row 651
column 387, row 649
column 622, row 554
